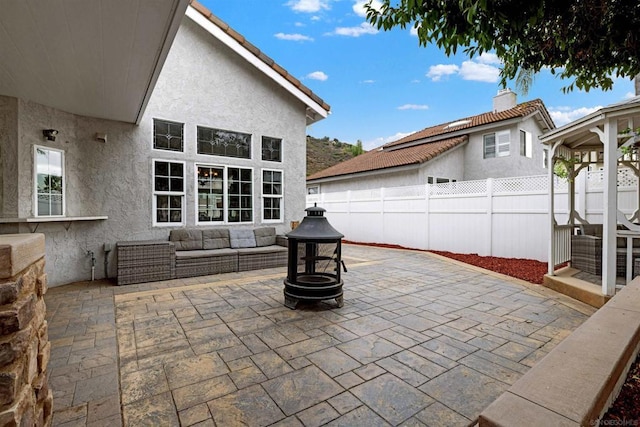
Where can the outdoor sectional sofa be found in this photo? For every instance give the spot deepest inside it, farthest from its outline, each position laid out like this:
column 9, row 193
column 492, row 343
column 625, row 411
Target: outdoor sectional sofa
column 586, row 251
column 192, row 252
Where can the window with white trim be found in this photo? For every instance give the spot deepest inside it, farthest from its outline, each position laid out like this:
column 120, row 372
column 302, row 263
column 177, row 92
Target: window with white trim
column 315, row 189
column 240, row 194
column 168, row 192
column 272, row 195
column 49, row 181
column 497, row 144
column 210, row 186
column 526, row 144
column 168, row 135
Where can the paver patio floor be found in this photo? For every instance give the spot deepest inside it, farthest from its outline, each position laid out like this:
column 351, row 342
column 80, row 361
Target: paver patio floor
column 421, row 340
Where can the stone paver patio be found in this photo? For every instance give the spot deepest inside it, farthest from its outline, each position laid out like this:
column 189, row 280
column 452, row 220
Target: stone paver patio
column 420, row 341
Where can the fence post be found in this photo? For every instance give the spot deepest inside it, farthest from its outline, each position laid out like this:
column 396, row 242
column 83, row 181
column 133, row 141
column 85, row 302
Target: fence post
column 426, row 216
column 490, row 216
column 382, row 234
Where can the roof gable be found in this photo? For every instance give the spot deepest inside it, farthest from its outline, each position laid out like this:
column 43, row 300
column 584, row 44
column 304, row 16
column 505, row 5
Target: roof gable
column 431, row 142
column 317, row 109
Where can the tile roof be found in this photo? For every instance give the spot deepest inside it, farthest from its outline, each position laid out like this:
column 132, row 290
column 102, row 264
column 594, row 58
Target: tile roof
column 382, row 159
column 520, row 110
column 428, row 143
column 257, row 52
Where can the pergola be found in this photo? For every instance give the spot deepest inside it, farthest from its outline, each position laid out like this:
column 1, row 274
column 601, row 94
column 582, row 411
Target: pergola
column 606, row 138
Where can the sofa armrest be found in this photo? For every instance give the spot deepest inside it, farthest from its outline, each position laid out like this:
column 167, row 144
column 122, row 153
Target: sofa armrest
column 145, row 261
column 282, row 240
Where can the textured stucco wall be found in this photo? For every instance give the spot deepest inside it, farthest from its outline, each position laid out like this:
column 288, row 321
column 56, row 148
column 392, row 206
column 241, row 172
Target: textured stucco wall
column 502, row 167
column 202, row 83
column 8, row 156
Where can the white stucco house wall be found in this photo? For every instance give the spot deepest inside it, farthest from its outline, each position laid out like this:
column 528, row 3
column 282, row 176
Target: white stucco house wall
column 219, row 141
column 496, row 144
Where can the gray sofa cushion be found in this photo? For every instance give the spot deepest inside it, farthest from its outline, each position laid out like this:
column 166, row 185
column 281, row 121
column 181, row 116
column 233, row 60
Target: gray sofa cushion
column 215, row 238
column 242, row 238
column 262, row 250
column 186, row 239
column 265, row 236
column 205, row 253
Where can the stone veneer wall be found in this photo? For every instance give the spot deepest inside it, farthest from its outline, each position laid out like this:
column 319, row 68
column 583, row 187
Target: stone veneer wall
column 25, row 398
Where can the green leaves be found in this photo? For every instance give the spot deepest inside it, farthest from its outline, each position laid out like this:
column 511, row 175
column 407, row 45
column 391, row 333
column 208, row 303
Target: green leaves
column 585, row 41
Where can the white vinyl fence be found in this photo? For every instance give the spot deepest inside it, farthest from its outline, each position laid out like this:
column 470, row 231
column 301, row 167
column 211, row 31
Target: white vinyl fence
column 505, row 217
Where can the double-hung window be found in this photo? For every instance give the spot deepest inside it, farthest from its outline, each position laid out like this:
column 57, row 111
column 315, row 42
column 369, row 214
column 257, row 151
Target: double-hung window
column 240, row 194
column 49, row 181
column 497, row 144
column 210, row 186
column 526, row 144
column 272, row 195
column 168, row 192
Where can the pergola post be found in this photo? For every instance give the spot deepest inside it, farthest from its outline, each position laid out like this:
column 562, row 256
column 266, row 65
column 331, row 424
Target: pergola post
column 609, row 222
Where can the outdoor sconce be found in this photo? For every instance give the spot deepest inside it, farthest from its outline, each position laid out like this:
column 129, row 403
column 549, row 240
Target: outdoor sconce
column 50, row 134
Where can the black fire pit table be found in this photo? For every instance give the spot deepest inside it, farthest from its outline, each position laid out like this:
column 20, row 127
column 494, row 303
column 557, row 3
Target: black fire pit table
column 314, row 261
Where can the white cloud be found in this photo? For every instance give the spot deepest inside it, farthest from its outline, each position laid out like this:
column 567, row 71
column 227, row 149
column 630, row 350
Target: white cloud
column 413, row 31
column 294, row 37
column 377, row 142
column 563, row 115
column 308, row 6
column 315, row 18
column 317, row 75
column 488, row 58
column 413, row 107
column 629, row 95
column 471, row 70
column 369, row 81
column 358, row 6
column 299, row 24
column 437, row 72
column 364, row 28
column 415, row 81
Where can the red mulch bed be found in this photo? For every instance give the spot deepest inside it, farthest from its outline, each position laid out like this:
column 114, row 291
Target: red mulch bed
column 626, row 407
column 526, row 269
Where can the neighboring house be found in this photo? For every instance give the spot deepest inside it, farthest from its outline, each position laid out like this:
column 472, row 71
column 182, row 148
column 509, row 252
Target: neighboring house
column 218, row 140
column 500, row 143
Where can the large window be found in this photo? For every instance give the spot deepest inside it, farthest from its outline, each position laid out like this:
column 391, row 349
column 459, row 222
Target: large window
column 210, row 194
column 168, row 135
column 497, row 144
column 526, row 144
column 271, row 149
column 271, row 195
column 49, row 181
column 218, row 142
column 240, row 194
column 168, row 189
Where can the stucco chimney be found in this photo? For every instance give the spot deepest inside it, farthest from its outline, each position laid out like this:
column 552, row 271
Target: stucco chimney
column 504, row 100
column 636, row 82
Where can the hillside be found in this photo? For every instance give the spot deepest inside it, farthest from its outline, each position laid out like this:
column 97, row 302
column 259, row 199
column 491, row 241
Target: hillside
column 325, row 152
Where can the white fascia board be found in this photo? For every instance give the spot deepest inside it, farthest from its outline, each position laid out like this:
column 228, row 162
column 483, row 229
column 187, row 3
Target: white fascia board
column 229, row 41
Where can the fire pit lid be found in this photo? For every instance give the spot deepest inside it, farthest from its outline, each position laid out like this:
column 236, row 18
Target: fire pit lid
column 315, row 226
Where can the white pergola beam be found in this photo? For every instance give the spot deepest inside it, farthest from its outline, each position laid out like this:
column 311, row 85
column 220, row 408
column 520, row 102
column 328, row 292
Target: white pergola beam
column 609, row 223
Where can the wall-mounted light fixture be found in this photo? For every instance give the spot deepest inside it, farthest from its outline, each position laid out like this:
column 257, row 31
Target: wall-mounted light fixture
column 49, row 134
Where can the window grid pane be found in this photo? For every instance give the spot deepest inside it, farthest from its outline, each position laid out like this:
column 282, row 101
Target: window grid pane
column 218, row 142
column 272, row 194
column 271, row 149
column 210, row 194
column 240, row 195
column 169, row 177
column 489, row 146
column 168, row 135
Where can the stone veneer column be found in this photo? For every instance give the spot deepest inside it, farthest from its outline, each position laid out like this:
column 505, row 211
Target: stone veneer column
column 25, row 397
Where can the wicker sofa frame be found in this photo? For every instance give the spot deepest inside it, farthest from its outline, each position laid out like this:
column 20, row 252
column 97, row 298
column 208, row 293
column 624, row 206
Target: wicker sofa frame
column 147, row 261
column 586, row 252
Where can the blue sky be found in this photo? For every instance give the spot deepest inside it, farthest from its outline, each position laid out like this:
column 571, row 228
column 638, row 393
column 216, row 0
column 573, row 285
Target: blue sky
column 381, row 85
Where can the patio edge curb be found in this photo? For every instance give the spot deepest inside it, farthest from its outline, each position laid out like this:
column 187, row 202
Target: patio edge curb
column 579, row 379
